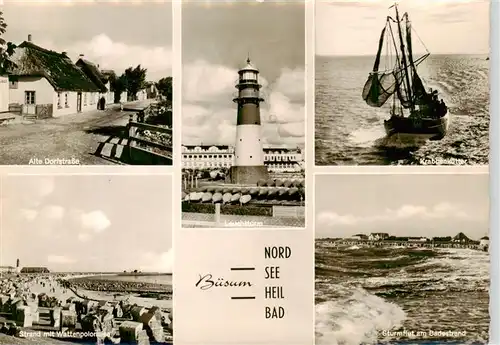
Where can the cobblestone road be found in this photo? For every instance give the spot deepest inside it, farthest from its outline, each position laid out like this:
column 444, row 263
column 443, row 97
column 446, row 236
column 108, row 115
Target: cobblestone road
column 75, row 136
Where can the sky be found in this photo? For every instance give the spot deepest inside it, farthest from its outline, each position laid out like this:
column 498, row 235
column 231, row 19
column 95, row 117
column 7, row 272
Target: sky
column 92, row 223
column 114, row 35
column 349, row 27
column 216, row 40
column 402, row 205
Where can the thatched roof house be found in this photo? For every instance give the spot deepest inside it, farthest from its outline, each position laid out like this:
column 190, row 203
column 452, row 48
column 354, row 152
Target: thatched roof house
column 57, row 68
column 44, row 83
column 93, row 73
column 460, row 237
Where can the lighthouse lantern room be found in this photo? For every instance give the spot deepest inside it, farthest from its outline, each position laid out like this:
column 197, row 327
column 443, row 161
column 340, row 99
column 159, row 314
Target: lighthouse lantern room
column 249, row 157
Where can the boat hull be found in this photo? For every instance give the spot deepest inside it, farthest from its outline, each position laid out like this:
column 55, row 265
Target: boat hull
column 431, row 128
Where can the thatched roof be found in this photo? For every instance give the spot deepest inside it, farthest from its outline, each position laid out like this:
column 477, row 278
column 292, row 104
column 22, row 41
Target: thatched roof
column 460, row 237
column 58, row 69
column 93, row 73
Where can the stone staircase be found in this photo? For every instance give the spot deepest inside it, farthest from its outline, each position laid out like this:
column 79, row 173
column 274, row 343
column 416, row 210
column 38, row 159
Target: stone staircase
column 30, row 117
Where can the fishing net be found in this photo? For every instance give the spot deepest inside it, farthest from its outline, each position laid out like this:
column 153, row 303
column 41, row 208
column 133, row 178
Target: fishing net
column 379, row 88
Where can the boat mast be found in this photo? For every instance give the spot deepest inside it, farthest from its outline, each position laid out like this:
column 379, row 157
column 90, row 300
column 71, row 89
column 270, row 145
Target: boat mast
column 403, row 57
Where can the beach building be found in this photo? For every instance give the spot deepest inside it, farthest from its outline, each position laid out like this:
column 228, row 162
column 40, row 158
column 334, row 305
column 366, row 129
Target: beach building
column 7, row 269
column 276, row 159
column 461, row 238
column 207, row 156
column 35, row 270
column 484, row 242
column 359, row 237
column 417, row 239
column 283, row 159
column 378, row 236
column 45, row 83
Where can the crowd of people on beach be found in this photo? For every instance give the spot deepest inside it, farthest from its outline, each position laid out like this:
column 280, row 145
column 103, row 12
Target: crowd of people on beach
column 50, row 293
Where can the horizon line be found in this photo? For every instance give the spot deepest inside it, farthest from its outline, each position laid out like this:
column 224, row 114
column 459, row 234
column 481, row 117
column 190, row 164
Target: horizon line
column 370, row 54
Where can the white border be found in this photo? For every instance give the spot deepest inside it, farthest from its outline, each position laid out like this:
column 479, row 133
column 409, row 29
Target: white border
column 494, row 173
column 309, row 147
column 176, row 143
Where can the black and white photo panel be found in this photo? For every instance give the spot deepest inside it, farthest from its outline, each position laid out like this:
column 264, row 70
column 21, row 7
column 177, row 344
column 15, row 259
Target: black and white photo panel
column 402, row 259
column 86, row 259
column 402, row 84
column 243, row 114
column 86, row 83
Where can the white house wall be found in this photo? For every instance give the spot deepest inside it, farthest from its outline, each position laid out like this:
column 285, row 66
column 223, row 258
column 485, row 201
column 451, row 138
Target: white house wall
column 123, row 97
column 141, row 95
column 109, row 96
column 4, row 93
column 71, row 108
column 43, row 90
column 45, row 94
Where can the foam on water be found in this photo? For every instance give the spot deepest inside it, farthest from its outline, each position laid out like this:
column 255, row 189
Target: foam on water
column 405, row 288
column 349, row 132
column 356, row 319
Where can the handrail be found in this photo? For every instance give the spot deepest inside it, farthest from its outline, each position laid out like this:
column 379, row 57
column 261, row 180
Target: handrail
column 150, row 127
column 133, row 139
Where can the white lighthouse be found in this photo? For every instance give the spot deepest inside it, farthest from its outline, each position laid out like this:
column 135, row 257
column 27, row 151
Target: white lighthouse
column 249, row 165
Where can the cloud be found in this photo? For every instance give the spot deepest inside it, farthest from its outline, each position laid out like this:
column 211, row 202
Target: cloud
column 118, row 56
column 52, row 212
column 158, row 262
column 439, row 211
column 84, row 237
column 28, row 214
column 209, row 115
column 45, row 186
column 59, row 259
column 95, row 220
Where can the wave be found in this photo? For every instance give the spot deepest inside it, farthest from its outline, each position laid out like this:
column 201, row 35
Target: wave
column 356, row 319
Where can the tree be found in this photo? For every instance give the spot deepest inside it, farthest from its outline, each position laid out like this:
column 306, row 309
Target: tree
column 6, row 49
column 135, row 80
column 118, row 85
column 164, row 86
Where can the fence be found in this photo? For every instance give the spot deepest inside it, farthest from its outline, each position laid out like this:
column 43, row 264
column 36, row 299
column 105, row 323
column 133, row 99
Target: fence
column 289, row 211
column 143, row 150
column 292, row 218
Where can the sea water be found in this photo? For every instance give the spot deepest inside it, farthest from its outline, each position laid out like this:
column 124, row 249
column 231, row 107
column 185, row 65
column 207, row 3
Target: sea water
column 365, row 295
column 349, row 132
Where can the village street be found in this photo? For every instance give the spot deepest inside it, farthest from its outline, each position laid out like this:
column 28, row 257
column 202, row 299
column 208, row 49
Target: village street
column 75, row 136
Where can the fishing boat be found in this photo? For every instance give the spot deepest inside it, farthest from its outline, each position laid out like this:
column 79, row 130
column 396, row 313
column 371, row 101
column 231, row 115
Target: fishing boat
column 414, row 111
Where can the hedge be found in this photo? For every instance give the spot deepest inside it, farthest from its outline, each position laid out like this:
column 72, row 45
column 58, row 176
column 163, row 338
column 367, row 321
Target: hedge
column 234, row 210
